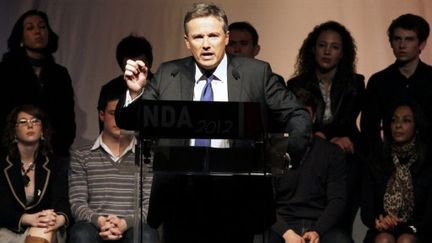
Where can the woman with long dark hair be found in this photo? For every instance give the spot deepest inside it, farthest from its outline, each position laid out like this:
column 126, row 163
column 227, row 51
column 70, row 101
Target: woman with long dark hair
column 33, row 185
column 29, row 75
column 397, row 187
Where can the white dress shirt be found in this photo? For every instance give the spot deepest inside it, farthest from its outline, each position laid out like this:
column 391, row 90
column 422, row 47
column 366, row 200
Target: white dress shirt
column 220, row 92
column 99, row 143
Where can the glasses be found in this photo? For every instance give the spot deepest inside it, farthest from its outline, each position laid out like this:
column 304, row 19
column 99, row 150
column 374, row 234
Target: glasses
column 26, row 122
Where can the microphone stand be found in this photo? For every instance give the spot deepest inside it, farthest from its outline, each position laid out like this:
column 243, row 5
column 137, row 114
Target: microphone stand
column 142, row 156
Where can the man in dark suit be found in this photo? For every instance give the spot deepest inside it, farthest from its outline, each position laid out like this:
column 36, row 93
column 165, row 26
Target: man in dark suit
column 209, row 209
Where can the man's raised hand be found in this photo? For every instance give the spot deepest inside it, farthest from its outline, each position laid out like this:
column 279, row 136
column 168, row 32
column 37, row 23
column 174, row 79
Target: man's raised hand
column 135, row 75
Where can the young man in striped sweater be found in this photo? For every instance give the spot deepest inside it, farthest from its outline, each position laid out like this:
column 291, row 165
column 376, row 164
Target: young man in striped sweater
column 102, row 184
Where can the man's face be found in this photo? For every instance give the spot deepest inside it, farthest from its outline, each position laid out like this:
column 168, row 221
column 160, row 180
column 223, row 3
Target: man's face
column 107, row 116
column 241, row 44
column 405, row 44
column 206, row 39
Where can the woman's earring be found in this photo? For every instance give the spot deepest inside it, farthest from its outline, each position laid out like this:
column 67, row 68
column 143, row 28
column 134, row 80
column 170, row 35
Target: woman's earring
column 42, row 137
column 21, row 44
column 15, row 140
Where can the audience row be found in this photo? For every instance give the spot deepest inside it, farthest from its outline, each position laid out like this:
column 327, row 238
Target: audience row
column 335, row 168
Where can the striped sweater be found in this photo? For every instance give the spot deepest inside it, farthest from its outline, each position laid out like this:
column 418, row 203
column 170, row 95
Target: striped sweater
column 100, row 186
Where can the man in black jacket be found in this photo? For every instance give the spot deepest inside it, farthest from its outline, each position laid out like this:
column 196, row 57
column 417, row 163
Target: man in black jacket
column 310, row 198
column 408, row 78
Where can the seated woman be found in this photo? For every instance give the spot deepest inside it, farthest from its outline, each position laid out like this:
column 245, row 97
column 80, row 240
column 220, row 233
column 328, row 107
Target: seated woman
column 397, row 186
column 326, row 67
column 34, row 206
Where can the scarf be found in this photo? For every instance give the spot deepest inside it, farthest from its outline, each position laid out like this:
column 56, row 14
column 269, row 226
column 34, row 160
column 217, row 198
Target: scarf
column 399, row 194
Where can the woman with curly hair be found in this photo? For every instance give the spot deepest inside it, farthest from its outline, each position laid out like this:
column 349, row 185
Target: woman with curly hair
column 326, row 68
column 33, row 185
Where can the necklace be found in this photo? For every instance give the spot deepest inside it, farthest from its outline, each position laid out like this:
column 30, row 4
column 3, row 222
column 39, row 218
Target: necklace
column 25, row 171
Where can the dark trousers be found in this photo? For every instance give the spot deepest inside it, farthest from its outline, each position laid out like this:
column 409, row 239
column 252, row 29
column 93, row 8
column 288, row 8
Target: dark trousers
column 334, row 235
column 355, row 163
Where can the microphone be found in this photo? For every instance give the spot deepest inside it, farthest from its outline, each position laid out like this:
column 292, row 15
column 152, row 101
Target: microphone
column 236, row 74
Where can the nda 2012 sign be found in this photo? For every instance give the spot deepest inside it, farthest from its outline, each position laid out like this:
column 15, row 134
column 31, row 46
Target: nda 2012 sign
column 189, row 119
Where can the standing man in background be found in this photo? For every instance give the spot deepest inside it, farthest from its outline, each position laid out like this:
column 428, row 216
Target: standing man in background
column 408, row 78
column 130, row 47
column 243, row 40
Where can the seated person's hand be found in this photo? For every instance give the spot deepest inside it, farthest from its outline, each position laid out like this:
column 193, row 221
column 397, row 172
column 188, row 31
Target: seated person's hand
column 42, row 219
column 386, row 222
column 43, row 224
column 321, row 135
column 111, row 227
column 311, row 237
column 344, row 143
column 292, row 237
column 105, row 229
column 119, row 223
column 53, row 220
column 47, row 217
column 101, row 221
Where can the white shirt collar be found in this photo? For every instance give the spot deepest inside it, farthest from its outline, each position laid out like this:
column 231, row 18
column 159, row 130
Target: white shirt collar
column 220, row 73
column 100, row 144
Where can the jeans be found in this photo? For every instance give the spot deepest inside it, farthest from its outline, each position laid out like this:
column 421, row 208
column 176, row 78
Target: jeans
column 85, row 232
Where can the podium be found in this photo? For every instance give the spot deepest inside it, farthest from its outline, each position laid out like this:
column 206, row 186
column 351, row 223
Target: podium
column 166, row 132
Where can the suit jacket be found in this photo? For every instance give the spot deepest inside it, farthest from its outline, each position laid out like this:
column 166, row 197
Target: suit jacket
column 208, row 204
column 248, row 80
column 51, row 191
